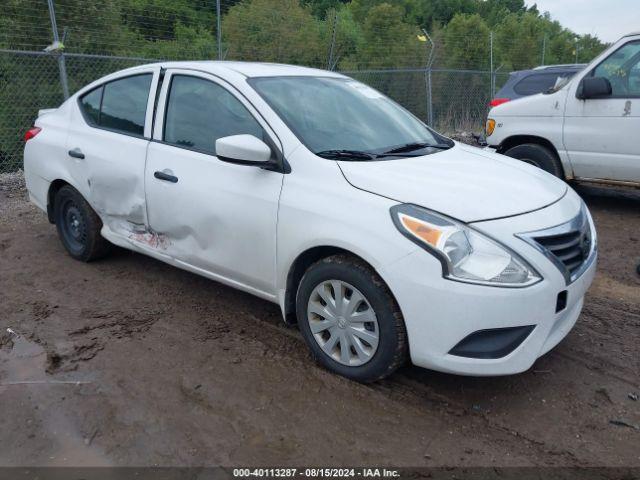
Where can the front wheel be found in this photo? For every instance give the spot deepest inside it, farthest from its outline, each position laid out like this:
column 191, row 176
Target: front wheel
column 538, row 156
column 349, row 319
column 78, row 226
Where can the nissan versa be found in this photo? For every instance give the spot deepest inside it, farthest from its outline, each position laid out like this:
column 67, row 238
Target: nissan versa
column 379, row 237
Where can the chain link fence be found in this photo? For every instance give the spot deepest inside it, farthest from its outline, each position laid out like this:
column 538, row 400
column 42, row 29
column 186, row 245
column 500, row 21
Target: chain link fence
column 30, row 81
column 48, row 51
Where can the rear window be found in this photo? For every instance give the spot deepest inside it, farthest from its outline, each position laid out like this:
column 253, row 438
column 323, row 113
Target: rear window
column 119, row 105
column 539, row 82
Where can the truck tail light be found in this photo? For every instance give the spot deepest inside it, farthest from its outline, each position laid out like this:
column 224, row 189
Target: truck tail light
column 32, row 132
column 498, row 101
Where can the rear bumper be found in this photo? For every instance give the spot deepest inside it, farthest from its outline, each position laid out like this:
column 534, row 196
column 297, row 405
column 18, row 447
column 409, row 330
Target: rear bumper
column 440, row 313
column 38, row 189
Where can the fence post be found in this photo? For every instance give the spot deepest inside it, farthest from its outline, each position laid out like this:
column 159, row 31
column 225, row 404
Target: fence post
column 428, row 79
column 492, row 79
column 332, row 47
column 219, row 29
column 56, row 43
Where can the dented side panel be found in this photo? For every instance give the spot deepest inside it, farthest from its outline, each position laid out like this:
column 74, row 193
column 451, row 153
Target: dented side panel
column 111, row 175
column 218, row 217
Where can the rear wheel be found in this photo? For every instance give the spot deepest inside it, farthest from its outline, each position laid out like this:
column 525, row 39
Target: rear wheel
column 78, row 226
column 538, row 156
column 349, row 319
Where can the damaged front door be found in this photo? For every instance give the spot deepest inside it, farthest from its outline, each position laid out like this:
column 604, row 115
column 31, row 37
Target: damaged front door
column 208, row 214
column 107, row 144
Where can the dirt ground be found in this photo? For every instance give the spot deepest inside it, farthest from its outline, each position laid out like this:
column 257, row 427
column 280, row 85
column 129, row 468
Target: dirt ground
column 129, row 361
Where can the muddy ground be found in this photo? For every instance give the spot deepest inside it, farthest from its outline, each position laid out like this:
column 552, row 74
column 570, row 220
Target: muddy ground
column 129, row 361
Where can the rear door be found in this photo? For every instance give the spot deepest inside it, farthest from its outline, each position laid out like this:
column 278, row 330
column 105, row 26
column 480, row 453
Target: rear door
column 107, row 147
column 214, row 217
column 601, row 135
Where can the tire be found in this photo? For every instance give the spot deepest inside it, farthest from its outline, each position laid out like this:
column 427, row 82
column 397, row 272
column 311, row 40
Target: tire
column 538, row 156
column 368, row 361
column 78, row 226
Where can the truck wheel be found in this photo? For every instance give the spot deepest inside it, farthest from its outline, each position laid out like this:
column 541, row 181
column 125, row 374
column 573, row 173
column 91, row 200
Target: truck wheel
column 350, row 320
column 78, row 226
column 538, row 156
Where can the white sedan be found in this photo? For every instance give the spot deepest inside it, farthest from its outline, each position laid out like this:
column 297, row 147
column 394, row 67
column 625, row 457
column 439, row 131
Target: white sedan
column 380, row 238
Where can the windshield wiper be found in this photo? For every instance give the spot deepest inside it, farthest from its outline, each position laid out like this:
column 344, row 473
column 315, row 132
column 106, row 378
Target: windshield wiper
column 410, row 147
column 346, row 154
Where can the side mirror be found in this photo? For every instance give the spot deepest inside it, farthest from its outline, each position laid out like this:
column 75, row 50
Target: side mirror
column 243, row 150
column 594, row 87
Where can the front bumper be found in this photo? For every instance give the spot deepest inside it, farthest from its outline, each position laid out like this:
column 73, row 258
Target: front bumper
column 439, row 313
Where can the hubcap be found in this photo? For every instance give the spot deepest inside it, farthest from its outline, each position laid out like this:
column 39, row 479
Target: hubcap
column 343, row 323
column 73, row 227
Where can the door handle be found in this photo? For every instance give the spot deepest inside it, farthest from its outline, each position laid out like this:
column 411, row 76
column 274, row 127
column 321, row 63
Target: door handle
column 166, row 177
column 76, row 153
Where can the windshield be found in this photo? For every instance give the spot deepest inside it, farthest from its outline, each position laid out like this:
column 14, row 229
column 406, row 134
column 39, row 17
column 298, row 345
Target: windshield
column 345, row 118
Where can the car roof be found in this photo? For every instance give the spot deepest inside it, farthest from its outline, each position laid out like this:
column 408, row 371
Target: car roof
column 564, row 66
column 248, row 69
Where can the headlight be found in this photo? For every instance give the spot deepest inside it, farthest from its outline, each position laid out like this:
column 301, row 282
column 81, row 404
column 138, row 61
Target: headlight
column 466, row 255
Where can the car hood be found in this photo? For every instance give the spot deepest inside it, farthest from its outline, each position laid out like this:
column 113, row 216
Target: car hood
column 464, row 182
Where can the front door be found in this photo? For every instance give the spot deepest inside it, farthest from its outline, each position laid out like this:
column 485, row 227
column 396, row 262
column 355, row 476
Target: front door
column 206, row 213
column 601, row 135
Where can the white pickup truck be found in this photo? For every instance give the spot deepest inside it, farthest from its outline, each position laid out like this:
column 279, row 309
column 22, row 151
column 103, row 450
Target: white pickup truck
column 587, row 129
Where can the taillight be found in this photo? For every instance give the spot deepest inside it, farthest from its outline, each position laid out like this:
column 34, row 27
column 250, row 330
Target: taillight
column 32, row 132
column 498, row 101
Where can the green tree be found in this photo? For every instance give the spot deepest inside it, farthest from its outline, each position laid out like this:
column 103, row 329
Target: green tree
column 441, row 12
column 348, row 38
column 520, row 39
column 466, row 42
column 274, row 31
column 388, row 42
column 320, row 8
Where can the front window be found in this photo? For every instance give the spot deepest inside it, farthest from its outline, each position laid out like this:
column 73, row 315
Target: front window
column 622, row 69
column 199, row 112
column 341, row 115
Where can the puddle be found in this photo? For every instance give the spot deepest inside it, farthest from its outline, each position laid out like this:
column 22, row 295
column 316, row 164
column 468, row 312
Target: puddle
column 42, row 401
column 25, row 362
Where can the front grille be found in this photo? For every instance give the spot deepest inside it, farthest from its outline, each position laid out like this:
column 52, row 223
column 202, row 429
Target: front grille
column 569, row 246
column 571, row 249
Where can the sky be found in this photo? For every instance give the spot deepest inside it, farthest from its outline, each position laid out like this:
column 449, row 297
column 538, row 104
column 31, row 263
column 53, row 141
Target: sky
column 607, row 19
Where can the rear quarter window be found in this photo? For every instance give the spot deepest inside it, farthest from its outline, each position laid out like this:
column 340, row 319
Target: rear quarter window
column 124, row 104
column 90, row 105
column 539, row 82
column 119, row 105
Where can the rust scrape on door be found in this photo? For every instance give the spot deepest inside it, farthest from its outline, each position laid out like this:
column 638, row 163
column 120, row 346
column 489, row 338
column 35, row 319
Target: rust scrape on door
column 152, row 239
